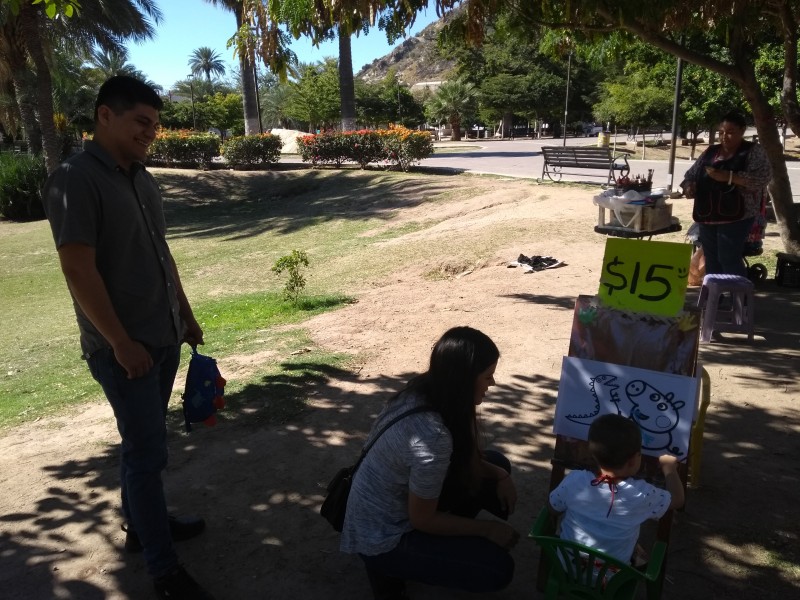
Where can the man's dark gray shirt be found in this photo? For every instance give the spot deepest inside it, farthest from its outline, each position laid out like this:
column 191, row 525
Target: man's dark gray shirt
column 90, row 200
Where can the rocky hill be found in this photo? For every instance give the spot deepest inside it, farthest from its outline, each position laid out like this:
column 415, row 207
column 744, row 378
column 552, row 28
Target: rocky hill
column 415, row 60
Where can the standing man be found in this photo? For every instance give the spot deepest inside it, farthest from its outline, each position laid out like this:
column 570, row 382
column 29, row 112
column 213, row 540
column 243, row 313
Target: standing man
column 106, row 214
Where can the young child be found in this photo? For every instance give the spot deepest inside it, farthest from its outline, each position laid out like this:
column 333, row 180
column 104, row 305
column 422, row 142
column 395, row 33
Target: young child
column 605, row 511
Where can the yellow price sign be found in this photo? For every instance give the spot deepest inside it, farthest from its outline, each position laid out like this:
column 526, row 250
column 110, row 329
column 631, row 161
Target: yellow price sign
column 645, row 276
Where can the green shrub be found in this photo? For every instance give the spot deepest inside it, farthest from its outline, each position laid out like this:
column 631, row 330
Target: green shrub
column 182, row 148
column 249, row 151
column 364, row 147
column 21, row 179
column 323, row 148
column 396, row 146
column 295, row 283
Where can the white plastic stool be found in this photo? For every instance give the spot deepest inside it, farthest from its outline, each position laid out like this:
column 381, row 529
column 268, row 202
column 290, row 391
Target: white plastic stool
column 741, row 317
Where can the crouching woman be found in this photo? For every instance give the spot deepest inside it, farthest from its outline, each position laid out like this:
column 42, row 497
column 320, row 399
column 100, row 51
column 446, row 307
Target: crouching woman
column 412, row 507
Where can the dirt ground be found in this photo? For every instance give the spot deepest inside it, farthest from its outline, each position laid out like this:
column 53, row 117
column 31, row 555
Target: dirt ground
column 260, row 487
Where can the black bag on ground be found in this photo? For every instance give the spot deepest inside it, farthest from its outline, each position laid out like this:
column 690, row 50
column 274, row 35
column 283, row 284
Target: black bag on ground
column 334, row 507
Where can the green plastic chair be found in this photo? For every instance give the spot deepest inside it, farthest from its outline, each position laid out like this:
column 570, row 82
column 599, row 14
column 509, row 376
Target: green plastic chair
column 577, row 571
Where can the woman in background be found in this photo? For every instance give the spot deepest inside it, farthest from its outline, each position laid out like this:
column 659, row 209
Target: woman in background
column 728, row 183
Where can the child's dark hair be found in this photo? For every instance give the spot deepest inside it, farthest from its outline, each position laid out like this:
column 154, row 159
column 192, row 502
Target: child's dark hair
column 121, row 93
column 613, row 440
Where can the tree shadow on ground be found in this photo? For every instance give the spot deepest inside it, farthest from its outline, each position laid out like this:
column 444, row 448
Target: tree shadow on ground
column 260, row 476
column 729, row 542
column 556, row 301
column 257, row 477
column 775, row 330
column 202, row 204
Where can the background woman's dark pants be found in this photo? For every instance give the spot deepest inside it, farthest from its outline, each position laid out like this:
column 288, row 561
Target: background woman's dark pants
column 468, row 563
column 723, row 246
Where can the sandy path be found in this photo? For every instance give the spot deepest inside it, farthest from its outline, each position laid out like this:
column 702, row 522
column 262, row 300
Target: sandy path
column 260, row 487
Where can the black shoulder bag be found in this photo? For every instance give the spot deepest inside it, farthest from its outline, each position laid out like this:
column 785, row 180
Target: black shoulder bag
column 715, row 201
column 335, row 505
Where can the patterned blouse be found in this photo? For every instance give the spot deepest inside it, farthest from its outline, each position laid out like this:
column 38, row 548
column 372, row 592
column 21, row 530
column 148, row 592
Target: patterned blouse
column 757, row 175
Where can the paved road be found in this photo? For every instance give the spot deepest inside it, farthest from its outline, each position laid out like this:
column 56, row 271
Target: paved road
column 523, row 158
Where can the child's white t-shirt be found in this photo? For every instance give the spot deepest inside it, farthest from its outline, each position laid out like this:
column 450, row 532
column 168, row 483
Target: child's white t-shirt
column 588, row 521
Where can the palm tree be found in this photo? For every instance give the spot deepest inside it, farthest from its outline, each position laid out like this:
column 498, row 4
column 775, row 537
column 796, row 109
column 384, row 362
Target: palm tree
column 28, row 37
column 347, row 88
column 274, row 103
column 453, row 101
column 205, row 60
column 321, row 20
column 75, row 87
column 108, row 63
column 247, row 62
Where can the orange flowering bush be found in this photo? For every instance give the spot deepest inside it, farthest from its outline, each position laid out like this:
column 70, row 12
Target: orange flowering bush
column 396, row 146
column 249, row 151
column 404, row 146
column 183, row 148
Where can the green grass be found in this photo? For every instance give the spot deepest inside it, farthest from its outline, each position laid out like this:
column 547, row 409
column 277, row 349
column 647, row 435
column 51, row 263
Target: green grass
column 240, row 313
column 226, row 230
column 275, row 390
column 234, row 322
column 769, row 259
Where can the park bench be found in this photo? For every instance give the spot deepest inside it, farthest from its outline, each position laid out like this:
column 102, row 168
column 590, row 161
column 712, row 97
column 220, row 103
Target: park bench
column 558, row 158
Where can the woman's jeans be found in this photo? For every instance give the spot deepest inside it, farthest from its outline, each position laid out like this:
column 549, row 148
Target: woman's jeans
column 723, row 246
column 140, row 408
column 468, row 563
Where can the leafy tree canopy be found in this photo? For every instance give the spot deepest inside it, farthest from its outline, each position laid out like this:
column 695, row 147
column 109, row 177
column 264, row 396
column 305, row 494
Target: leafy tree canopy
column 689, row 29
column 52, row 8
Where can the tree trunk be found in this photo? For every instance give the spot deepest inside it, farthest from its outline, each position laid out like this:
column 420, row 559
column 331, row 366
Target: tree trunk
column 455, row 126
column 789, row 104
column 249, row 89
column 29, row 26
column 26, row 102
column 780, row 189
column 347, row 90
column 508, row 124
column 23, row 83
column 252, row 123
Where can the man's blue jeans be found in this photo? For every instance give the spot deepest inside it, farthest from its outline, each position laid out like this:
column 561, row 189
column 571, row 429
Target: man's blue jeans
column 140, row 408
column 723, row 246
column 468, row 563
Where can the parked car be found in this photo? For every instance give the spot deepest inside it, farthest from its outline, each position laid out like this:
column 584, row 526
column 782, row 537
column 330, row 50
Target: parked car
column 591, row 129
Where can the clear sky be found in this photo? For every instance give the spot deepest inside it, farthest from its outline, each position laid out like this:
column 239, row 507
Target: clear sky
column 191, row 24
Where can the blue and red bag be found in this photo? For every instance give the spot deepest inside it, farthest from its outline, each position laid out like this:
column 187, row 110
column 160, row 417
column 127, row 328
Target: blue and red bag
column 204, row 391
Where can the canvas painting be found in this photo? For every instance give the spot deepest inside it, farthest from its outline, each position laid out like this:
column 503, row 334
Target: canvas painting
column 662, row 404
column 641, row 340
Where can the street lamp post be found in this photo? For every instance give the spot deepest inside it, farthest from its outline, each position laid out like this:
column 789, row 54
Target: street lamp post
column 399, row 108
column 191, row 91
column 566, row 99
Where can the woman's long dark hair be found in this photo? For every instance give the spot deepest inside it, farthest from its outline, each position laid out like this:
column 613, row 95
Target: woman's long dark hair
column 448, row 386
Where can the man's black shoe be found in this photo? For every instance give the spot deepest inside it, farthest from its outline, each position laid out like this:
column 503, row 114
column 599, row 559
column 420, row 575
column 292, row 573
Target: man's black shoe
column 181, row 528
column 179, row 585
